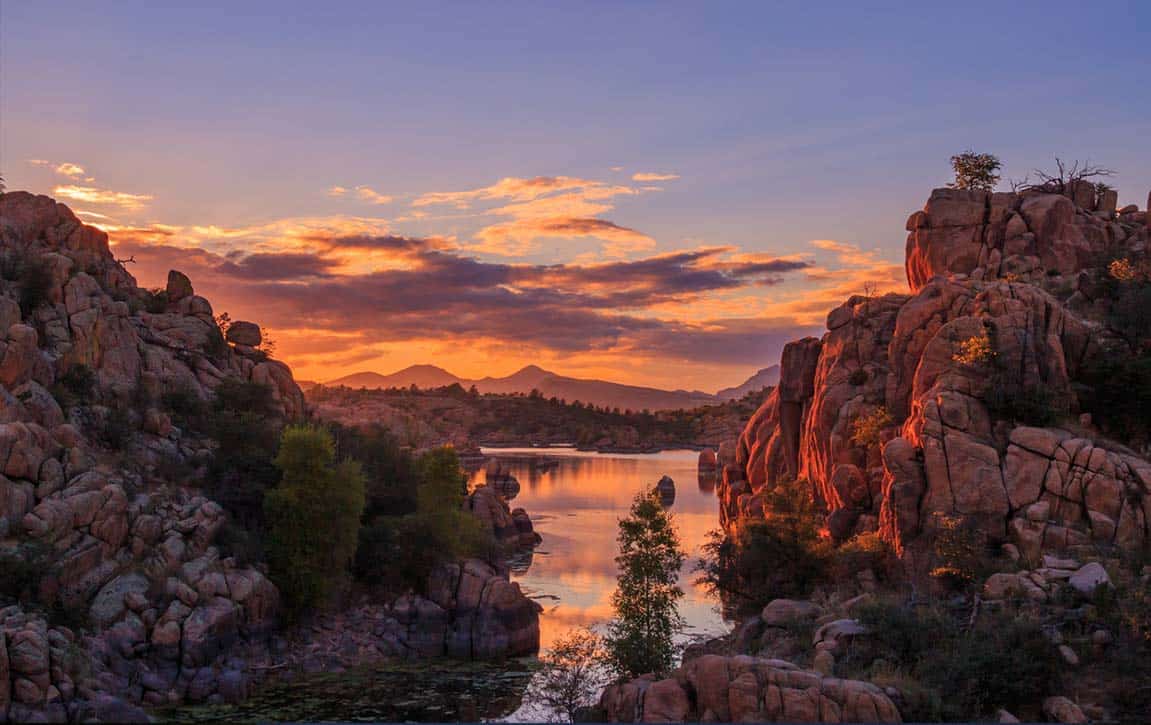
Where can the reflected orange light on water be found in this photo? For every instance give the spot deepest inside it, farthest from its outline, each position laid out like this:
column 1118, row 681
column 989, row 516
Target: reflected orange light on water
column 576, row 500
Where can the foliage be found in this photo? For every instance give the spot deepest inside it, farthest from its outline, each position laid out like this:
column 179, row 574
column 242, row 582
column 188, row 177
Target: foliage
column 35, row 284
column 572, row 674
column 862, row 552
column 867, row 428
column 155, row 300
column 77, row 386
column 783, row 556
column 399, row 547
column 641, row 637
column 960, row 550
column 1120, row 395
column 962, row 673
column 241, row 420
column 975, row 350
column 1033, row 403
column 975, row 171
column 1064, row 175
column 184, row 405
column 389, row 469
column 21, row 569
column 313, row 518
column 114, row 427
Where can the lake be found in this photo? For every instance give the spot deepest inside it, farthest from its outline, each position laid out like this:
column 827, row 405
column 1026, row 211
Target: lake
column 575, row 501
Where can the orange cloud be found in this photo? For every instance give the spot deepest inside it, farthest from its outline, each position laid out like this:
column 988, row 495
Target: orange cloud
column 651, row 176
column 70, row 170
column 93, row 195
column 367, row 193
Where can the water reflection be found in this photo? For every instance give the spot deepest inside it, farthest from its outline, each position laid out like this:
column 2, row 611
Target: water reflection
column 575, row 500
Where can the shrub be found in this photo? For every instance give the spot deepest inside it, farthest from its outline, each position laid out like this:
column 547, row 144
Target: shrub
column 35, row 283
column 402, row 550
column 1120, row 395
column 1035, row 405
column 155, row 300
column 76, row 386
column 866, row 429
column 960, row 550
column 21, row 569
column 862, row 552
column 572, row 674
column 313, row 518
column 1122, row 270
column 783, row 556
column 962, row 674
column 185, row 407
column 975, row 171
column 975, row 350
column 115, row 427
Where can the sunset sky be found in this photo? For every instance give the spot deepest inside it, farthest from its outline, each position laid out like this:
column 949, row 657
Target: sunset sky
column 658, row 193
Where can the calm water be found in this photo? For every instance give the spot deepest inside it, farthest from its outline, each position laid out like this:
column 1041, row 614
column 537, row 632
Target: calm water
column 576, row 506
column 575, row 500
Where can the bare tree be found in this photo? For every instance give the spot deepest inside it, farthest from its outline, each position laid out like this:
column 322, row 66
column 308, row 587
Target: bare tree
column 573, row 673
column 1064, row 176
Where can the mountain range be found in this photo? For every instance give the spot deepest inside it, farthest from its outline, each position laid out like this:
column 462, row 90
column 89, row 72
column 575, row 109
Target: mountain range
column 549, row 384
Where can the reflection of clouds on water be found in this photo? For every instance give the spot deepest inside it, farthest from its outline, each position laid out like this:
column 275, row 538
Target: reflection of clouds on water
column 576, row 502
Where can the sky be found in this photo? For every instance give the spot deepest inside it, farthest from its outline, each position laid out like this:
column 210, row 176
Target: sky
column 658, row 193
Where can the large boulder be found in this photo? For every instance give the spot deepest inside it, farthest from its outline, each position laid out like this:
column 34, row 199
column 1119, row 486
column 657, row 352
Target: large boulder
column 244, row 333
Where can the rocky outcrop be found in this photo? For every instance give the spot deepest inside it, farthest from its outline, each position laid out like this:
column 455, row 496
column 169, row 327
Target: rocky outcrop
column 713, row 688
column 902, row 412
column 506, row 525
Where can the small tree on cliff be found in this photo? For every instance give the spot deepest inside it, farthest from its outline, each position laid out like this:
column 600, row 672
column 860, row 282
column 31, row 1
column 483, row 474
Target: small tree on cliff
column 976, row 172
column 641, row 637
column 313, row 518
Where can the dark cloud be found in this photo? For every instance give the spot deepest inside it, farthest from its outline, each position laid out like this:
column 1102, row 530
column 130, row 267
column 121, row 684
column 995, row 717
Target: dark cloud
column 437, row 293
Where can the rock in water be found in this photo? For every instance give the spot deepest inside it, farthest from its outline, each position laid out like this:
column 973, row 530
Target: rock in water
column 665, row 489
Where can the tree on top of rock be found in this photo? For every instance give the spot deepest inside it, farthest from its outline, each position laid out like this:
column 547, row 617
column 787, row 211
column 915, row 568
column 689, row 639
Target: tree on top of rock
column 976, row 172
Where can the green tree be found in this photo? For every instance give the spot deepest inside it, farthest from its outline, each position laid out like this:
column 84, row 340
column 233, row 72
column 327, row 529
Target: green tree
column 313, row 518
column 641, row 637
column 976, row 172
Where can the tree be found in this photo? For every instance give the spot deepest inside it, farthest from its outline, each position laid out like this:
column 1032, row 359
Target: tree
column 641, row 637
column 572, row 673
column 976, row 172
column 313, row 518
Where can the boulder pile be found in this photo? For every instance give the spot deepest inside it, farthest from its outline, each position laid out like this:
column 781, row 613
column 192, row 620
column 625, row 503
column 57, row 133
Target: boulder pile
column 896, row 416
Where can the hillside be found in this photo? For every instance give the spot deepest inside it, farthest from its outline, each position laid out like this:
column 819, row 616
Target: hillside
column 550, row 385
column 765, row 378
column 451, row 414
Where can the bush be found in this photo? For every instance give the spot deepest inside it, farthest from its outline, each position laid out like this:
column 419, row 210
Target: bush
column 975, row 171
column 185, row 407
column 400, row 551
column 35, row 283
column 313, row 518
column 21, row 569
column 155, row 300
column 1035, row 404
column 77, row 386
column 115, row 427
column 962, row 674
column 975, row 350
column 1120, row 395
column 867, row 429
column 862, row 552
column 783, row 556
column 242, row 422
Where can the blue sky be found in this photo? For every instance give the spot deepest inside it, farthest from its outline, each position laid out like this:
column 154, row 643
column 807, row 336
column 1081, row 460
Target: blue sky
column 784, row 123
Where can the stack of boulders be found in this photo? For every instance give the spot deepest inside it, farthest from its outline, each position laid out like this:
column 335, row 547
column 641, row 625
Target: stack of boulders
column 714, row 688
column 506, row 525
column 1014, row 272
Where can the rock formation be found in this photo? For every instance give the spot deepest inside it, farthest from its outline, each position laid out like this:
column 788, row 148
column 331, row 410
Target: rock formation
column 713, row 688
column 98, row 492
column 907, row 409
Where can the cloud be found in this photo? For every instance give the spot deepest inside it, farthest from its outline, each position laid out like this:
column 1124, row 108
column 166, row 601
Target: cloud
column 650, row 176
column 545, row 207
column 336, row 191
column 93, row 195
column 367, row 193
column 40, row 162
column 70, row 170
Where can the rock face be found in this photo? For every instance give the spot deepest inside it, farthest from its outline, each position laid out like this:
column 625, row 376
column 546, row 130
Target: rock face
column 713, row 688
column 507, row 525
column 1004, row 304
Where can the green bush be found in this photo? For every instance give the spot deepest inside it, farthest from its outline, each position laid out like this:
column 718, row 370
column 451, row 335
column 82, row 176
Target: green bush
column 115, row 427
column 1035, row 405
column 185, row 407
column 783, row 556
column 21, row 569
column 241, row 420
column 964, row 674
column 313, row 519
column 400, row 551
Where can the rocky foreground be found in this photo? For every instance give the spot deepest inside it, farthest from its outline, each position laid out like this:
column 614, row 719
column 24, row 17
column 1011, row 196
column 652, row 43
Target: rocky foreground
column 99, row 498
